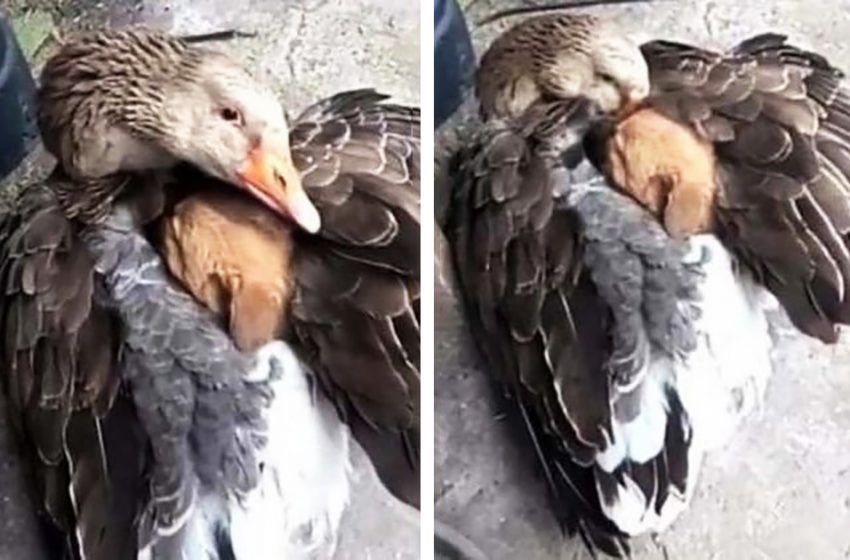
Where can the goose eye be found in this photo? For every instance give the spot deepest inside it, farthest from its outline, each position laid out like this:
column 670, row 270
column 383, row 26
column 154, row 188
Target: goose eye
column 231, row 115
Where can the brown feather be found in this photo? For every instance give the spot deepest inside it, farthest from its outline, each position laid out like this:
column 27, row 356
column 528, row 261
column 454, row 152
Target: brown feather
column 350, row 294
column 774, row 118
column 532, row 306
column 543, row 57
column 355, row 315
column 59, row 360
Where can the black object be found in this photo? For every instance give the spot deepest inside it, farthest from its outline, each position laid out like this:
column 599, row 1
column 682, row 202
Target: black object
column 18, row 127
column 224, row 35
column 454, row 59
column 22, row 534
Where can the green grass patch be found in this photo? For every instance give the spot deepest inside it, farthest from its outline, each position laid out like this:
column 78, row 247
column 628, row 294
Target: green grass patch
column 32, row 28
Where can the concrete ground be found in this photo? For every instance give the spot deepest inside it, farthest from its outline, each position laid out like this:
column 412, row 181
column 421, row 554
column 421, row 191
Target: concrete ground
column 780, row 491
column 307, row 49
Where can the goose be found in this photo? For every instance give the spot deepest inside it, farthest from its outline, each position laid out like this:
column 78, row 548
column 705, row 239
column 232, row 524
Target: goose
column 155, row 431
column 621, row 222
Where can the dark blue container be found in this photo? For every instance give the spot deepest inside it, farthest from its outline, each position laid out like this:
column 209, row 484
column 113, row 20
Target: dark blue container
column 454, row 59
column 18, row 127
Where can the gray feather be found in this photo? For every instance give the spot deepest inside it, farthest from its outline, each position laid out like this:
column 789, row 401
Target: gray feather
column 641, row 274
column 190, row 384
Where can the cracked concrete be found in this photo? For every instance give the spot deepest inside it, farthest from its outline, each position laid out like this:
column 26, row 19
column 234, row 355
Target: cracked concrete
column 312, row 49
column 779, row 491
column 307, row 50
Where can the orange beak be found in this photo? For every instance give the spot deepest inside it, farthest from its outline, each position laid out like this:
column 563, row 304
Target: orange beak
column 271, row 177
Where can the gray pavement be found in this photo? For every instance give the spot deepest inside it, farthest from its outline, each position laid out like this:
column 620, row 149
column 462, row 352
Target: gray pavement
column 779, row 491
column 307, row 49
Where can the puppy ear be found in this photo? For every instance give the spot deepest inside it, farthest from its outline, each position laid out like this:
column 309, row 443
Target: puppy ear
column 256, row 316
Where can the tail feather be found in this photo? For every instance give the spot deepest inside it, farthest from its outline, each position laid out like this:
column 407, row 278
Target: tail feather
column 691, row 404
column 105, row 484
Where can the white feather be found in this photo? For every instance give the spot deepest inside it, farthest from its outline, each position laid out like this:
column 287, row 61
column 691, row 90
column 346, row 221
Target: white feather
column 295, row 511
column 719, row 383
column 726, row 377
column 642, row 438
column 199, row 538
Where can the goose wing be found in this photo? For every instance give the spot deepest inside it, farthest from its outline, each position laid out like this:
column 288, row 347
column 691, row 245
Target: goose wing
column 355, row 312
column 134, row 401
column 560, row 327
column 60, row 357
column 778, row 118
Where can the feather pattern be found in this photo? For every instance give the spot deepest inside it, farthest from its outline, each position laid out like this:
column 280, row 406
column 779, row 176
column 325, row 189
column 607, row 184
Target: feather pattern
column 778, row 119
column 355, row 309
column 170, row 458
column 348, row 295
column 606, row 331
column 99, row 80
column 60, row 357
column 192, row 389
column 526, row 65
column 537, row 315
column 147, row 424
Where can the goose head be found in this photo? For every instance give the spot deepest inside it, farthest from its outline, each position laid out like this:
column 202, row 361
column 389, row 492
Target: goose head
column 125, row 101
column 563, row 56
column 618, row 69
